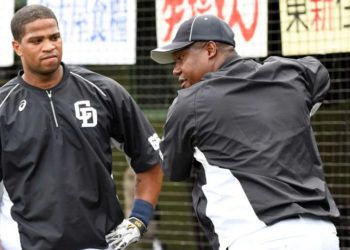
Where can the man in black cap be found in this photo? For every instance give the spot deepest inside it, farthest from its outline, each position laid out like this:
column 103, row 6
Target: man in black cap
column 243, row 129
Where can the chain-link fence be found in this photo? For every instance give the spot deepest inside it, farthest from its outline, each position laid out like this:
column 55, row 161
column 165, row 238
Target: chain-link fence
column 153, row 87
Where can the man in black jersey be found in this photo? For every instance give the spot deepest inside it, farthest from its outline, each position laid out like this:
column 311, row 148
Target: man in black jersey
column 243, row 129
column 56, row 127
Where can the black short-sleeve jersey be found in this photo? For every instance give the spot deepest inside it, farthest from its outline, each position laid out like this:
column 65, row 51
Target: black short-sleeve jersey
column 56, row 157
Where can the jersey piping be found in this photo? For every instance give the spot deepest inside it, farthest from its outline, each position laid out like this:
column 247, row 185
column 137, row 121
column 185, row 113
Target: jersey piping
column 8, row 95
column 94, row 85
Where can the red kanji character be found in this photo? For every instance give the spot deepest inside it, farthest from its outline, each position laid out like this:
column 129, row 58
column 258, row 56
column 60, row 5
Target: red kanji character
column 318, row 10
column 237, row 18
column 329, row 11
column 175, row 16
column 220, row 7
column 200, row 10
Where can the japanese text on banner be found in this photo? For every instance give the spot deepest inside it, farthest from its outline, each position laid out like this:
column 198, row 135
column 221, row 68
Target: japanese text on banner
column 315, row 26
column 248, row 19
column 96, row 32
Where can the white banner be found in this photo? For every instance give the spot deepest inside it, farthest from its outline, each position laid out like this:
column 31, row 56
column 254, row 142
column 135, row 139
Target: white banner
column 96, row 32
column 248, row 19
column 7, row 9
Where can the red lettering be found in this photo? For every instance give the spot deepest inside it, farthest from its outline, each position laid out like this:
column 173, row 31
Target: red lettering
column 236, row 17
column 200, row 10
column 177, row 11
column 320, row 14
column 220, row 6
column 175, row 15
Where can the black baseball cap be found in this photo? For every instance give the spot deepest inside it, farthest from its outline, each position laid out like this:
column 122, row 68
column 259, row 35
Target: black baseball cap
column 198, row 28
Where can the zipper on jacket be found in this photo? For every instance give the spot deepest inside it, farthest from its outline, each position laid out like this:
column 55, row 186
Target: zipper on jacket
column 49, row 93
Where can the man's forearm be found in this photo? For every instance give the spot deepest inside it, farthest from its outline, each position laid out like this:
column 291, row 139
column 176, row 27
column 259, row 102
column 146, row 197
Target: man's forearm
column 148, row 184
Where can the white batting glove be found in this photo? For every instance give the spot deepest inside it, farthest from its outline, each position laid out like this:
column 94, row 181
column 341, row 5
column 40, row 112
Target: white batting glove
column 126, row 233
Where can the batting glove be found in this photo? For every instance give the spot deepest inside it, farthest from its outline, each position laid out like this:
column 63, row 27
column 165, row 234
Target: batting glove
column 126, row 233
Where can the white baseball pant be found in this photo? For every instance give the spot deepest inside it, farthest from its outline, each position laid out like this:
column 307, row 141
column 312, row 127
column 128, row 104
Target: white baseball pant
column 303, row 233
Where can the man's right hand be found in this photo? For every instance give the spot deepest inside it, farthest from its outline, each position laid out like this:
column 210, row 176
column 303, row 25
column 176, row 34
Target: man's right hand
column 126, row 233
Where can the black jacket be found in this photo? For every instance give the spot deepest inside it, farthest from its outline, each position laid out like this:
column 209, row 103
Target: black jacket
column 245, row 131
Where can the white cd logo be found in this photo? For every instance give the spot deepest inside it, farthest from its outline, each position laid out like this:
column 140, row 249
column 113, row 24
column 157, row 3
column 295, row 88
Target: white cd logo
column 22, row 105
column 85, row 113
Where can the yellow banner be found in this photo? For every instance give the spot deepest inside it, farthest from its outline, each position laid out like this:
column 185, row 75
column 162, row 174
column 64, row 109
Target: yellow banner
column 315, row 26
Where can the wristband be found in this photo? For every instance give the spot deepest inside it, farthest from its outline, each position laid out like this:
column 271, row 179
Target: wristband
column 142, row 210
column 139, row 224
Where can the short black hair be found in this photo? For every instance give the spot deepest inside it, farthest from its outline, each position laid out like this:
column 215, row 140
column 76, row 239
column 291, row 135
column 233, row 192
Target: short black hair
column 28, row 14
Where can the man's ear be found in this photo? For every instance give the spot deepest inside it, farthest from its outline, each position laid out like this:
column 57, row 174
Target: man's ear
column 212, row 49
column 17, row 47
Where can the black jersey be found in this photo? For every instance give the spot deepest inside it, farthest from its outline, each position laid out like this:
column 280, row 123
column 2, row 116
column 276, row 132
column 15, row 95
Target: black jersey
column 56, row 157
column 245, row 131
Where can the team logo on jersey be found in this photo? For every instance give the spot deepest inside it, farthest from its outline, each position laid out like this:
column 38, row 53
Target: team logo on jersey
column 154, row 140
column 85, row 113
column 22, row 105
